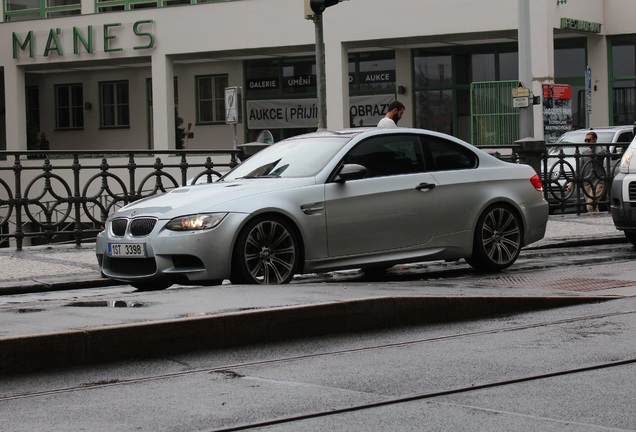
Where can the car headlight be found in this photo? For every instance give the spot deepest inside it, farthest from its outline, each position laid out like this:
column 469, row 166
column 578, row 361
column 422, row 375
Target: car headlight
column 627, row 159
column 195, row 222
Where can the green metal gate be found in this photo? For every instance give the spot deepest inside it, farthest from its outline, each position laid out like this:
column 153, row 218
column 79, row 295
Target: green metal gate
column 494, row 121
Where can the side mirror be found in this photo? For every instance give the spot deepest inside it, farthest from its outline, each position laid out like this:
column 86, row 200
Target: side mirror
column 351, row 172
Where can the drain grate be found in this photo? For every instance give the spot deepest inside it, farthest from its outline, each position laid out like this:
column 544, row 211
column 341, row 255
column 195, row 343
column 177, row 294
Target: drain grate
column 555, row 282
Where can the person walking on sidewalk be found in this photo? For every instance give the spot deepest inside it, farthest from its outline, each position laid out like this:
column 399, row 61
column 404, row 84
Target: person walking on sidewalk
column 394, row 114
column 593, row 173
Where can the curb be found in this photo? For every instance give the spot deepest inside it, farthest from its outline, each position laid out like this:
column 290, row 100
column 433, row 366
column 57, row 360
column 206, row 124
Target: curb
column 151, row 339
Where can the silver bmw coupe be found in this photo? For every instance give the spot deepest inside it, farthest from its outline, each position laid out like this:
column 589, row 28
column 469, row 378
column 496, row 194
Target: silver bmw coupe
column 330, row 200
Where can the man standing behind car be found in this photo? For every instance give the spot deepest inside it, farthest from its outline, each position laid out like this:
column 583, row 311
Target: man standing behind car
column 593, row 173
column 394, row 114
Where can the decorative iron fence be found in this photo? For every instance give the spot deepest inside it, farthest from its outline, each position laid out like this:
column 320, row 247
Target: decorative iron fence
column 576, row 181
column 65, row 196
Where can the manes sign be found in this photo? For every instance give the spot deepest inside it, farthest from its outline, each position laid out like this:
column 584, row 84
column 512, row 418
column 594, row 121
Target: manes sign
column 83, row 39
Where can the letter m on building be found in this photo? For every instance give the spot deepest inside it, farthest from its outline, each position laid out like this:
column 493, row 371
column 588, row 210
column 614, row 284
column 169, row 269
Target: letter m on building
column 18, row 45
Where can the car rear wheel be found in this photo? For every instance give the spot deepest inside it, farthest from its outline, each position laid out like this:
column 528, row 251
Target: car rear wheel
column 498, row 239
column 266, row 253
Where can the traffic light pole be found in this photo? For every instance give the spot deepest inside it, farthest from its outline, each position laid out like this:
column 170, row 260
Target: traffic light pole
column 321, row 80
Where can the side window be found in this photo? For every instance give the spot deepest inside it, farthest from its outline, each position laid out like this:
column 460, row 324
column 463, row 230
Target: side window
column 625, row 137
column 446, row 155
column 388, row 155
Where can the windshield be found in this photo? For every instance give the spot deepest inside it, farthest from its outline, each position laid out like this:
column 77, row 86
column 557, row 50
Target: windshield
column 300, row 157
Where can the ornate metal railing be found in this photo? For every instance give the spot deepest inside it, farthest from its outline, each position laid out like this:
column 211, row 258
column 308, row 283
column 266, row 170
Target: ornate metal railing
column 576, row 181
column 65, row 196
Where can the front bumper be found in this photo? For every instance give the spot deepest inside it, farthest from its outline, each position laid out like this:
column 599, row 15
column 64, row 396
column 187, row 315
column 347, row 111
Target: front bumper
column 623, row 202
column 181, row 257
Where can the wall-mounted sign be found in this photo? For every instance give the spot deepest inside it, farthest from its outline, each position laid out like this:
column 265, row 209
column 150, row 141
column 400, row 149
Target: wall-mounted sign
column 232, row 105
column 262, row 83
column 60, row 41
column 557, row 111
column 580, row 25
column 520, row 92
column 303, row 113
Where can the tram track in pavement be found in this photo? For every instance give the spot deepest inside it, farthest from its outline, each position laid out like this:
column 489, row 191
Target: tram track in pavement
column 233, row 370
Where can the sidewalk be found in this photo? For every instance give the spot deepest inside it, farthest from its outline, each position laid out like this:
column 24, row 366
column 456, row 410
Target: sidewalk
column 41, row 267
column 114, row 321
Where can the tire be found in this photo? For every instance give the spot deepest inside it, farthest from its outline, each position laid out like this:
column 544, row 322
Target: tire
column 266, row 253
column 151, row 286
column 631, row 237
column 375, row 270
column 498, row 239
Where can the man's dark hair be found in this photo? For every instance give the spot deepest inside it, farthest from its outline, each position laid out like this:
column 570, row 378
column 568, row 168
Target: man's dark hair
column 593, row 134
column 396, row 105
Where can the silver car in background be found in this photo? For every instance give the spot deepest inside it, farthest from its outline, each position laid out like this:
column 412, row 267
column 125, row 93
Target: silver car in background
column 330, row 200
column 564, row 161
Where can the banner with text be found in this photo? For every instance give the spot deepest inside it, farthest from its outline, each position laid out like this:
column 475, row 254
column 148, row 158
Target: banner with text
column 557, row 111
column 303, row 113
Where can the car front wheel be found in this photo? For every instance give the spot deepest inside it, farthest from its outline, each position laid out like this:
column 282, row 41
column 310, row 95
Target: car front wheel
column 498, row 239
column 631, row 237
column 266, row 253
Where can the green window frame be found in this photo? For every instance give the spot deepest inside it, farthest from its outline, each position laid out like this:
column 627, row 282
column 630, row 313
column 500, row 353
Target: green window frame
column 69, row 106
column 442, row 78
column 22, row 10
column 121, row 5
column 210, row 91
column 622, row 79
column 114, row 104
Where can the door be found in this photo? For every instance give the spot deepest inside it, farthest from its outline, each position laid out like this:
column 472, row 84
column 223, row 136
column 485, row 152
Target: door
column 395, row 206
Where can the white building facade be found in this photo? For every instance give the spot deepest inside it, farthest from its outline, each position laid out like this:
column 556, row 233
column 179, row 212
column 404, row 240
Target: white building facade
column 129, row 74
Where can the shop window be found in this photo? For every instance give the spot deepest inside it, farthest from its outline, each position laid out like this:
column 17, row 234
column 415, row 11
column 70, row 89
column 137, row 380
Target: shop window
column 299, row 77
column 434, row 110
column 623, row 59
column 262, row 79
column 21, row 10
column 433, row 70
column 117, row 5
column 33, row 106
column 211, row 98
column 508, row 66
column 623, row 81
column 372, row 72
column 114, row 104
column 624, row 102
column 69, row 106
column 475, row 67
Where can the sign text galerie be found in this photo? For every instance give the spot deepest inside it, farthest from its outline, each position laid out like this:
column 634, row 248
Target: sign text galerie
column 81, row 39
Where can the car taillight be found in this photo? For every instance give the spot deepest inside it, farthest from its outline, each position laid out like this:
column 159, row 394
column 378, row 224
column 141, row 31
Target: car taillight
column 536, row 183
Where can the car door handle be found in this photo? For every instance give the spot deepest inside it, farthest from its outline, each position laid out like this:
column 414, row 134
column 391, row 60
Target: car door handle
column 423, row 186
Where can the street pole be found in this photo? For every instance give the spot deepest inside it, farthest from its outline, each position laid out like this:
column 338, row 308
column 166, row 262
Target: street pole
column 526, row 118
column 320, row 73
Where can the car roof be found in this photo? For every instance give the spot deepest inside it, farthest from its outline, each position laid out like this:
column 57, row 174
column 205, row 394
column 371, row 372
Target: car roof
column 603, row 130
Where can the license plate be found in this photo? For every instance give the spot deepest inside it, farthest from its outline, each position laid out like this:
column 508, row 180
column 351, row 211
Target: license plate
column 127, row 249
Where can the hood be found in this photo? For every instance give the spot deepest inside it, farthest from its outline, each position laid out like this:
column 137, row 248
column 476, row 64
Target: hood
column 220, row 196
